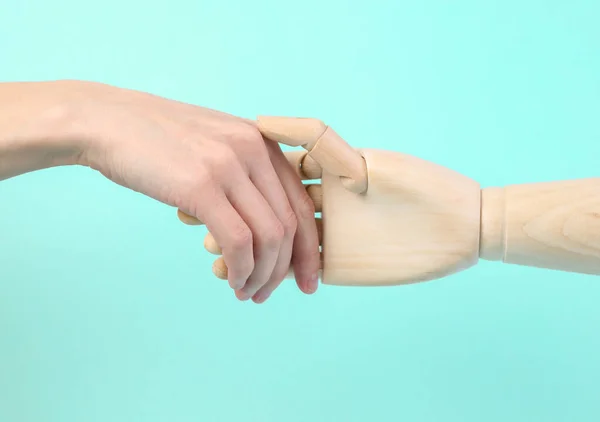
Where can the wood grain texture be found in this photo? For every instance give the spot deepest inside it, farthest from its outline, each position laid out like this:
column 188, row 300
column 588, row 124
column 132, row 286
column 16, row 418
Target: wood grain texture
column 552, row 225
column 418, row 221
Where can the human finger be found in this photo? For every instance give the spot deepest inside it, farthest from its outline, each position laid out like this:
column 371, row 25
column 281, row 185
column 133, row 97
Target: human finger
column 267, row 232
column 230, row 231
column 305, row 255
column 270, row 179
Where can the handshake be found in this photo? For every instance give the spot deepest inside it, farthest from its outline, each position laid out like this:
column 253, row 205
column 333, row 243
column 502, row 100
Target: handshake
column 388, row 218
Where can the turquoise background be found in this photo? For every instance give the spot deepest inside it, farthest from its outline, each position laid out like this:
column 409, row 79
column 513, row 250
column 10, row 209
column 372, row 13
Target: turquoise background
column 109, row 311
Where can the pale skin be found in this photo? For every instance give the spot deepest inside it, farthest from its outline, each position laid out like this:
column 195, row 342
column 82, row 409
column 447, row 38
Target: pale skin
column 211, row 165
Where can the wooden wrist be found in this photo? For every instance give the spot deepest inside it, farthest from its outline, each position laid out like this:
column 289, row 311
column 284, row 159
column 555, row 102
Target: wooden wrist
column 554, row 225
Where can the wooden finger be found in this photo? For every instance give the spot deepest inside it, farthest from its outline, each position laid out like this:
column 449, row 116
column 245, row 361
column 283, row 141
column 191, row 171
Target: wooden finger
column 311, row 168
column 292, row 131
column 210, row 244
column 304, row 165
column 319, row 222
column 337, row 157
column 188, row 219
column 323, row 144
column 316, row 194
column 219, row 268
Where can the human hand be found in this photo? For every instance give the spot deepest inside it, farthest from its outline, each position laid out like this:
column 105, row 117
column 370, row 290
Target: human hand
column 214, row 167
column 308, row 170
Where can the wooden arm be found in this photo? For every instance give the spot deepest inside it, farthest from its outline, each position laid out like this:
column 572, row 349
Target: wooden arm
column 553, row 225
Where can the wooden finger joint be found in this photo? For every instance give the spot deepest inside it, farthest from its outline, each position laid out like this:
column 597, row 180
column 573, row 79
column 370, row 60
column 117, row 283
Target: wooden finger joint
column 336, row 156
column 325, row 147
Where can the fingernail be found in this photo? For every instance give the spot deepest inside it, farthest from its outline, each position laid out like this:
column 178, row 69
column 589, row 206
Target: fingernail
column 261, row 298
column 313, row 283
column 241, row 295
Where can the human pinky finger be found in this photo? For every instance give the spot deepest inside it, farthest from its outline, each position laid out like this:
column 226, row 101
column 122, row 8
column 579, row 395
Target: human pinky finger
column 235, row 239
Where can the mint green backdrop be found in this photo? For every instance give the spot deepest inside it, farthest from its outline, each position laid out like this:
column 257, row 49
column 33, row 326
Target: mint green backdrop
column 109, row 311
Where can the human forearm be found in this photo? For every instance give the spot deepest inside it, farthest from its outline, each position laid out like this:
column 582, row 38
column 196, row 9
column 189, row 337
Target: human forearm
column 39, row 126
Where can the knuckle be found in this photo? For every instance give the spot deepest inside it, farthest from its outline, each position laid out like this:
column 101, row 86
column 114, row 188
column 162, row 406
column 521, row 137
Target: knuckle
column 223, row 160
column 195, row 191
column 223, row 155
column 202, row 190
column 272, row 238
column 203, row 182
column 250, row 142
column 240, row 238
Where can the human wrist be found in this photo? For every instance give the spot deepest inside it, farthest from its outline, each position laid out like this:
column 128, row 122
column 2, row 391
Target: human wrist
column 41, row 125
